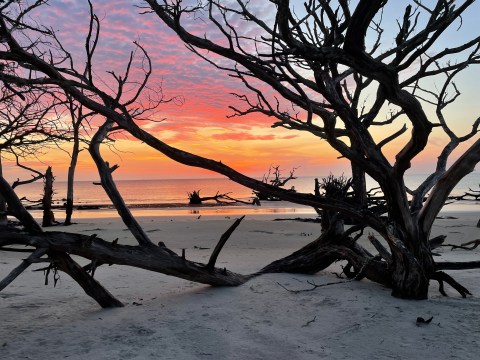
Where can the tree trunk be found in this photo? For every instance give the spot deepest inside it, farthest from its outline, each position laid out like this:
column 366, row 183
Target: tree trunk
column 3, row 203
column 48, row 217
column 71, row 179
column 359, row 184
column 412, row 268
column 411, row 278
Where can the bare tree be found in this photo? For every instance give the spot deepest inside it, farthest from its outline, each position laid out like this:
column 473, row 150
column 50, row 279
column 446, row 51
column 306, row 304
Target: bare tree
column 77, row 117
column 319, row 59
column 28, row 127
column 320, row 62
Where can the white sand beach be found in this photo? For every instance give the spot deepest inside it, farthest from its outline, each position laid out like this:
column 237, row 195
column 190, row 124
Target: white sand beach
column 170, row 318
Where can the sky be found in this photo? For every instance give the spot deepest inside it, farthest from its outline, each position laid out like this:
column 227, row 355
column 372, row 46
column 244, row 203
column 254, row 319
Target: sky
column 198, row 121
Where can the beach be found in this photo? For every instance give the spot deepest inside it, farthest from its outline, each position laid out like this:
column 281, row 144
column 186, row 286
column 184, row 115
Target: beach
column 204, row 140
column 169, row 318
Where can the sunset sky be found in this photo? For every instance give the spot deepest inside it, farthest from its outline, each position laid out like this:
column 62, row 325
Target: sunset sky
column 200, row 124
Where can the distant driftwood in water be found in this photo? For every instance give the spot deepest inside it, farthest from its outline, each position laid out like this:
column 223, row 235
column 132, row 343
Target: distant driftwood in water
column 195, row 199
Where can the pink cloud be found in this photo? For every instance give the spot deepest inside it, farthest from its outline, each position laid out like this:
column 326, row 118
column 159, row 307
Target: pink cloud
column 241, row 136
column 206, row 90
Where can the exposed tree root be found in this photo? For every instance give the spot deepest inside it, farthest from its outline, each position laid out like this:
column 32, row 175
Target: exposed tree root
column 442, row 277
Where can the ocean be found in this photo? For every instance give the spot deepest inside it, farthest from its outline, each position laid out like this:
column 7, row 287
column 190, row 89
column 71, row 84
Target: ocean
column 169, row 196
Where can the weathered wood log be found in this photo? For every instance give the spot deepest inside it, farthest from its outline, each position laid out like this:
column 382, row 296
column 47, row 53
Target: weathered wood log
column 157, row 259
column 105, row 171
column 310, row 261
column 91, row 286
column 16, row 208
column 194, row 198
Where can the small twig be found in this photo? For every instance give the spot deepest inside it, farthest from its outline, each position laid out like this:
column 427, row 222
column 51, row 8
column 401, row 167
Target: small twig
column 315, row 286
column 474, row 244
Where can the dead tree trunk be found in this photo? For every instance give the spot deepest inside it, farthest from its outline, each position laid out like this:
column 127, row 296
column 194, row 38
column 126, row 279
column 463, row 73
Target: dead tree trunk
column 48, row 217
column 412, row 271
column 3, row 203
column 71, row 178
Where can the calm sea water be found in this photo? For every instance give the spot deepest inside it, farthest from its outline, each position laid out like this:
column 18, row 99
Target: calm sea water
column 174, row 192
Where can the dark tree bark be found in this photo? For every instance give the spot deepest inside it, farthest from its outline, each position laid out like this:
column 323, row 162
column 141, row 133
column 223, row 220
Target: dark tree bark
column 71, row 179
column 48, row 216
column 3, row 203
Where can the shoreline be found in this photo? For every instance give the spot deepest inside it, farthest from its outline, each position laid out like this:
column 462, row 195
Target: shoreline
column 181, row 209
column 83, row 211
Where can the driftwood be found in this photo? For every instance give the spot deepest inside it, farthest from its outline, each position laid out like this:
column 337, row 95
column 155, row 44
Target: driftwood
column 274, row 178
column 154, row 258
column 195, row 198
column 471, row 195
